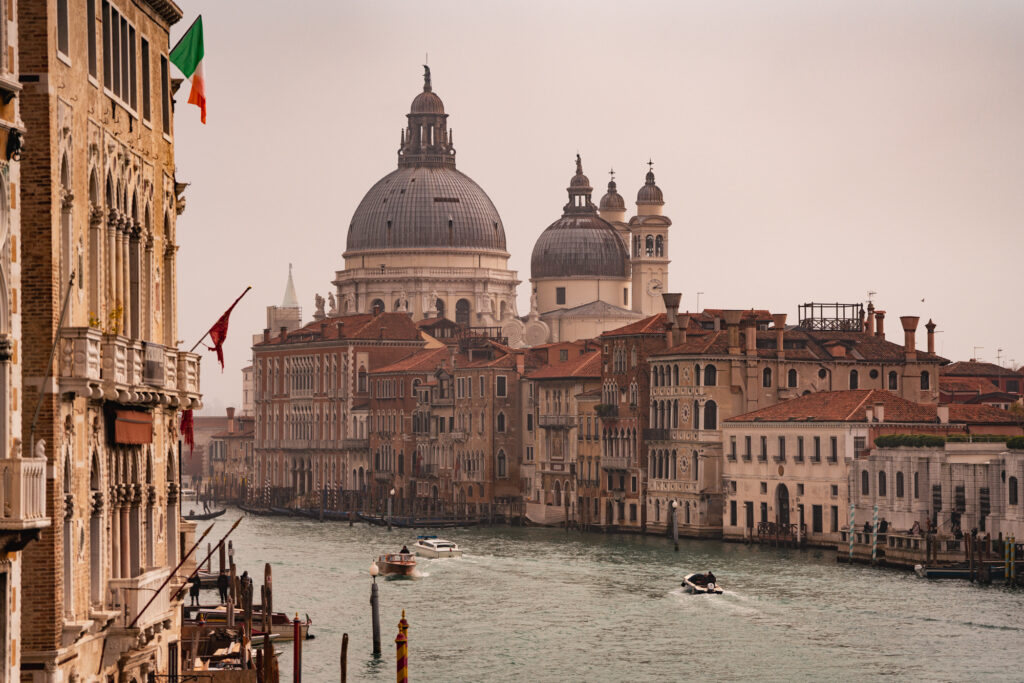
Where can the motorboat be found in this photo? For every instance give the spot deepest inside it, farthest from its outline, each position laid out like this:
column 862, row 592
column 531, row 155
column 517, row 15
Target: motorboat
column 281, row 624
column 434, row 547
column 396, row 564
column 698, row 584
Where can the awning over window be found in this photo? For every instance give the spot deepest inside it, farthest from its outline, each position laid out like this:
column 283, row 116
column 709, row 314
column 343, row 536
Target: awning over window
column 133, row 427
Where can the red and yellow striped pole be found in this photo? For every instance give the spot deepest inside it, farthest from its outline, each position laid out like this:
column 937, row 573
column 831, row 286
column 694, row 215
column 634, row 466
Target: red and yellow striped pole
column 402, row 648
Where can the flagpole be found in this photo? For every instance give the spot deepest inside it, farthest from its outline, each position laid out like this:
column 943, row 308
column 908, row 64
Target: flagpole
column 207, row 333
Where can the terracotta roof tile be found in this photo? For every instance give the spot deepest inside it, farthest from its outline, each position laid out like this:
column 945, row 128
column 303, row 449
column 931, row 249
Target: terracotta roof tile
column 421, row 361
column 583, row 367
column 389, row 326
column 981, row 414
column 841, row 406
column 966, row 384
column 976, row 369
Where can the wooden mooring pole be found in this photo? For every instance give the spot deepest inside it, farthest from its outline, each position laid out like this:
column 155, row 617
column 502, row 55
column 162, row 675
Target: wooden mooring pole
column 344, row 658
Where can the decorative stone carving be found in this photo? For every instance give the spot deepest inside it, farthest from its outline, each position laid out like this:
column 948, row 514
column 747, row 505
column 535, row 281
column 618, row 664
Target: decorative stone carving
column 319, row 302
column 333, row 310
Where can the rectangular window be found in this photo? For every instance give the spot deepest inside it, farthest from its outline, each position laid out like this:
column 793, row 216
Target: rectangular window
column 147, row 95
column 560, row 295
column 835, row 519
column 114, row 50
column 835, row 491
column 799, row 489
column 732, row 447
column 529, row 454
column 529, row 422
column 763, row 455
column 133, row 71
column 817, row 449
column 625, row 296
column 816, row 522
column 62, row 28
column 860, row 444
column 563, row 355
column 782, row 448
column 106, row 43
column 764, row 512
column 748, row 507
column 732, row 513
column 746, row 453
column 500, row 388
column 632, row 512
column 834, row 455
column 165, row 95
column 90, row 27
column 633, row 485
column 125, row 67
column 482, row 389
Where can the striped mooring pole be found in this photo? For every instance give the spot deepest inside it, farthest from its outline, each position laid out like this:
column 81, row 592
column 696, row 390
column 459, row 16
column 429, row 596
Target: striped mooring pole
column 874, row 536
column 852, row 530
column 402, row 650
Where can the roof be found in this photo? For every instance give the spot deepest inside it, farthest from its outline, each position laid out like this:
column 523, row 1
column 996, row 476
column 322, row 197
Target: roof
column 842, row 406
column 596, row 309
column 421, row 361
column 801, row 344
column 587, row 366
column 981, row 414
column 358, row 326
column 973, row 368
column 654, row 324
column 976, row 385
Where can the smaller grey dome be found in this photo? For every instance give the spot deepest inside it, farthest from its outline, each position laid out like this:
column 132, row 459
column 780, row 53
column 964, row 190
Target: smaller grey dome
column 579, row 180
column 612, row 200
column 650, row 193
column 427, row 103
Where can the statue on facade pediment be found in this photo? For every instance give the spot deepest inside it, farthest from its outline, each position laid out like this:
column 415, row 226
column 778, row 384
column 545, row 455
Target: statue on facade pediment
column 403, row 302
column 333, row 311
column 40, row 450
column 319, row 301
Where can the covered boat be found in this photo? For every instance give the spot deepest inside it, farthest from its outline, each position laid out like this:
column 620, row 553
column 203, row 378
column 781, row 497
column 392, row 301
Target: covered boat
column 434, row 547
column 701, row 584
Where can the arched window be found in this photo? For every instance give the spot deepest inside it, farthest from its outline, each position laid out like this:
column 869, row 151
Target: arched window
column 675, row 375
column 361, row 383
column 673, row 463
column 854, row 379
column 881, row 484
column 696, row 415
column 502, row 464
column 791, row 379
column 899, row 484
column 1012, row 497
column 696, row 375
column 926, row 381
column 649, row 244
column 766, row 377
column 710, row 376
column 865, row 483
column 893, row 381
column 657, row 511
column 558, row 494
column 710, row 415
column 675, row 414
column 462, row 312
column 659, row 246
column 439, row 305
column 377, row 306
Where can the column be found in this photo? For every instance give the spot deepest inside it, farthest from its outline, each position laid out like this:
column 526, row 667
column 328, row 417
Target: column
column 126, row 570
column 111, row 261
column 115, row 536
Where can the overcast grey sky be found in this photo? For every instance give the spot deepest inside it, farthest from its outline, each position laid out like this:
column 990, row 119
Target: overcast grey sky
column 808, row 151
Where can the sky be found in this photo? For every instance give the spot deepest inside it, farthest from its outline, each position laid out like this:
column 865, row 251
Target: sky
column 807, row 150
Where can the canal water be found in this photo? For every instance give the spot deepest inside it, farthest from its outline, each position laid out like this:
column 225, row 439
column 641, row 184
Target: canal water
column 544, row 605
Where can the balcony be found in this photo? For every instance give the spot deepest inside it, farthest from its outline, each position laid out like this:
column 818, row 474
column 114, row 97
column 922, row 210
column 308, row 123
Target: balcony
column 614, row 463
column 22, row 500
column 129, row 596
column 355, row 444
column 656, row 435
column 96, row 365
column 557, row 421
column 430, row 470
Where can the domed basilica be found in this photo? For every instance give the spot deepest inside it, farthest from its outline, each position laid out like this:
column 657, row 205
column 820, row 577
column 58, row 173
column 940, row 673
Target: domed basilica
column 427, row 240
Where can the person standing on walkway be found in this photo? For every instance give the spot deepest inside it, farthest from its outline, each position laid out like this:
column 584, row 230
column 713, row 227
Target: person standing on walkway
column 222, row 586
column 193, row 591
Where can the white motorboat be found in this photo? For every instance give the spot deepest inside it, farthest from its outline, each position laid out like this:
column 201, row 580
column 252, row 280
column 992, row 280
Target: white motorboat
column 434, row 547
column 698, row 584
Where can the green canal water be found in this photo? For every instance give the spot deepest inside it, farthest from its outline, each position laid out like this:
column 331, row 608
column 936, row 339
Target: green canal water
column 544, row 605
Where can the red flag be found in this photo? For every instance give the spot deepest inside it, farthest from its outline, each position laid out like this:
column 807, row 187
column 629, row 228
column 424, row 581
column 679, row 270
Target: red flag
column 188, row 430
column 219, row 332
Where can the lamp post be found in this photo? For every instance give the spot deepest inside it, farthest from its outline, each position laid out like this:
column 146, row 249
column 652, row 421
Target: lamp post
column 675, row 526
column 391, row 496
column 375, row 609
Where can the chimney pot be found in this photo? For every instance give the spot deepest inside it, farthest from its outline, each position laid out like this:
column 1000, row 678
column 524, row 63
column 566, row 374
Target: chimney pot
column 284, row 330
column 880, row 324
column 870, row 323
column 732, row 323
column 909, row 323
column 266, row 334
column 779, row 322
column 930, row 326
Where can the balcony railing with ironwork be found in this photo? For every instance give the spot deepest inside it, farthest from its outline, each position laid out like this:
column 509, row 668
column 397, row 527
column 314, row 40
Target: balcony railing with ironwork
column 23, row 494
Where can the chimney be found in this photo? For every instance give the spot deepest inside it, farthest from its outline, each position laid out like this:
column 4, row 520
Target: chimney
column 231, row 420
column 930, row 326
column 520, row 364
column 869, row 414
column 909, row 332
column 732, row 323
column 870, row 324
column 943, row 414
column 266, row 334
column 671, row 316
column 879, row 411
column 880, row 324
column 341, row 329
column 284, row 331
column 750, row 336
column 684, row 323
column 862, row 323
column 779, row 322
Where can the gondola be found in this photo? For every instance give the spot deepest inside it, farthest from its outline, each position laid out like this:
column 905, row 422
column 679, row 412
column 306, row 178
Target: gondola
column 193, row 517
column 409, row 523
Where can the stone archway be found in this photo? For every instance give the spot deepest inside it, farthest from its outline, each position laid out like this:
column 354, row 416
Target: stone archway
column 782, row 505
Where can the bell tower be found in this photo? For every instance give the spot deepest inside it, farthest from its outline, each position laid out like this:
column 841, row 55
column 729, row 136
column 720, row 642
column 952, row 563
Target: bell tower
column 649, row 253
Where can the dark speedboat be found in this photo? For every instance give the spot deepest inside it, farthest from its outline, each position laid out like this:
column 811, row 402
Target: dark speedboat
column 698, row 584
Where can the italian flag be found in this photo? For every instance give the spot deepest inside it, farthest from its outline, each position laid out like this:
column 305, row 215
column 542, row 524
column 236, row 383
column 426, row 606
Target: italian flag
column 187, row 55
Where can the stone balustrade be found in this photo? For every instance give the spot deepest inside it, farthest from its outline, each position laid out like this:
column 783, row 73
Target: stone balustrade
column 80, row 361
column 129, row 596
column 614, row 463
column 23, row 494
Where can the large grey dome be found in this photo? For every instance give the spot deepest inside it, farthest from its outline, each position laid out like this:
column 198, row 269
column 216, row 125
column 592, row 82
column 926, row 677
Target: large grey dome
column 426, row 207
column 580, row 243
column 426, row 203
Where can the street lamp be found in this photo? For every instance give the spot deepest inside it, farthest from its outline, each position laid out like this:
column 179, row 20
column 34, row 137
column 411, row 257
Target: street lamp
column 375, row 609
column 675, row 525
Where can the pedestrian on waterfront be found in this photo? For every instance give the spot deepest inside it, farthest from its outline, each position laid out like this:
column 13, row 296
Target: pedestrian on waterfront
column 883, row 526
column 916, row 529
column 206, row 506
column 193, row 591
column 222, row 586
column 405, row 550
column 867, row 527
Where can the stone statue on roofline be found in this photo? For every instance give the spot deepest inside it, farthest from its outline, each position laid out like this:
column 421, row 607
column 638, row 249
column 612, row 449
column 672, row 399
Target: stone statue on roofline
column 319, row 315
column 333, row 311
